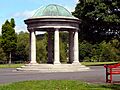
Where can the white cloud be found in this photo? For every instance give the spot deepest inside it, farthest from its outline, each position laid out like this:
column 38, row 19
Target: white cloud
column 21, row 28
column 20, row 17
column 70, row 9
column 77, row 1
column 25, row 14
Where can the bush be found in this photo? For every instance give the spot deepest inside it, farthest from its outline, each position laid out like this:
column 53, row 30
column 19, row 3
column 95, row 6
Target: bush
column 102, row 52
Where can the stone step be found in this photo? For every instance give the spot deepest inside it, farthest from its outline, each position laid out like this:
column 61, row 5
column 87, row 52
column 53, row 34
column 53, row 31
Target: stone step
column 53, row 68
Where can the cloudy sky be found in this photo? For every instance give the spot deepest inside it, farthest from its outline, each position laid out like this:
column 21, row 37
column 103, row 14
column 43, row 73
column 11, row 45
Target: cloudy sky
column 23, row 9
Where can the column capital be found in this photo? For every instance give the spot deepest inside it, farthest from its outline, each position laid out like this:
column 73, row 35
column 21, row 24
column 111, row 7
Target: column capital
column 31, row 29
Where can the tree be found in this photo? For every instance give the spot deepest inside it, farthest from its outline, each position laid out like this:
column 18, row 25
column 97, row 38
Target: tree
column 63, row 51
column 3, row 58
column 22, row 50
column 9, row 38
column 104, row 51
column 41, row 48
column 100, row 19
column 85, row 51
column 64, row 47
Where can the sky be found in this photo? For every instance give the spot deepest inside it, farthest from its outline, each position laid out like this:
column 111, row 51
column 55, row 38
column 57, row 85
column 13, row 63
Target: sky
column 23, row 9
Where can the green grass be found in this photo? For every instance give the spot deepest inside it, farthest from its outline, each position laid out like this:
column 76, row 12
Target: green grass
column 10, row 65
column 57, row 85
column 83, row 63
column 96, row 63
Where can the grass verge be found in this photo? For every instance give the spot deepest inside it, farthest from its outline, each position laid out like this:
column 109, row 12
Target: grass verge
column 83, row 63
column 10, row 65
column 96, row 63
column 57, row 85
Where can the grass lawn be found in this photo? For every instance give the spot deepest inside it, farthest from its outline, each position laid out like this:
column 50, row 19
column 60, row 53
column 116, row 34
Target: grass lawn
column 83, row 63
column 96, row 63
column 10, row 65
column 57, row 85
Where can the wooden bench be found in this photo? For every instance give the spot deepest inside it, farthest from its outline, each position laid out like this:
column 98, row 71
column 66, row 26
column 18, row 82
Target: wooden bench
column 112, row 70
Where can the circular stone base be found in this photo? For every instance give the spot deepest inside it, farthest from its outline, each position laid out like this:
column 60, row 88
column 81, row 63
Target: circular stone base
column 54, row 68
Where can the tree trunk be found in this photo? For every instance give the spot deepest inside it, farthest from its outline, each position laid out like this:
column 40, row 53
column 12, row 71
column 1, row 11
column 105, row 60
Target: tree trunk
column 10, row 58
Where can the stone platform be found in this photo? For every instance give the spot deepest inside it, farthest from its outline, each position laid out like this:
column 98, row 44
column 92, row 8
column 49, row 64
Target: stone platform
column 53, row 67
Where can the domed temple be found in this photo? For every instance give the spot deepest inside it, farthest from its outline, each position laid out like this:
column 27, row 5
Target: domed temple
column 53, row 19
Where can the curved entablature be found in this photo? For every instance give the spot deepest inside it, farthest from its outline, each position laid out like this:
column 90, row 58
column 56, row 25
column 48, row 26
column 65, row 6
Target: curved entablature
column 41, row 24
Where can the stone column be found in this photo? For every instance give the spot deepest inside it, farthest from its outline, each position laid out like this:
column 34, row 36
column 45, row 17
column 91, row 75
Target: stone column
column 56, row 47
column 30, row 47
column 49, row 47
column 33, row 47
column 71, row 44
column 76, row 50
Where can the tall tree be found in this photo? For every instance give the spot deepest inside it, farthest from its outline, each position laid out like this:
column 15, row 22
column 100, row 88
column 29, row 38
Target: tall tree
column 22, row 50
column 9, row 38
column 100, row 19
column 3, row 58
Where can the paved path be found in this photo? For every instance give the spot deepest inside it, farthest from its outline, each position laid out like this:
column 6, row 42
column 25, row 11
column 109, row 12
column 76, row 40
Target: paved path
column 95, row 75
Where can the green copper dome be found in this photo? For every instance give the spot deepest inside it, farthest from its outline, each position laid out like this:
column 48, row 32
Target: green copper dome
column 52, row 10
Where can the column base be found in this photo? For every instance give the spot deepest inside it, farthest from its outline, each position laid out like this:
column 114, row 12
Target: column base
column 33, row 63
column 56, row 63
column 76, row 62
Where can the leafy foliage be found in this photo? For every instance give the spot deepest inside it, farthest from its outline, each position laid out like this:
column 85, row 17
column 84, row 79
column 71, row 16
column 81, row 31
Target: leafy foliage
column 3, row 57
column 63, row 47
column 100, row 19
column 100, row 52
column 42, row 50
column 22, row 50
column 9, row 38
column 99, row 29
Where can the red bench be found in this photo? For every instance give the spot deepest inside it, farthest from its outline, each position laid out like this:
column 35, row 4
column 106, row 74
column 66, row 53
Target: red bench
column 111, row 70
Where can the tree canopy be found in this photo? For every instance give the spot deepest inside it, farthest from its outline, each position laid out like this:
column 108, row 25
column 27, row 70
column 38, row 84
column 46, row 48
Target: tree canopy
column 9, row 38
column 100, row 19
